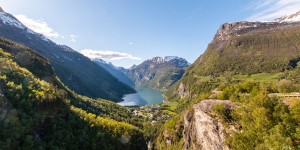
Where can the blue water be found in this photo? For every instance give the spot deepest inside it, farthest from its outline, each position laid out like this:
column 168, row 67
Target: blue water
column 144, row 96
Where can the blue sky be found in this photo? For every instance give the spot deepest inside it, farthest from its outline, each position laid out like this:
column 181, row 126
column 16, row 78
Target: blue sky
column 126, row 32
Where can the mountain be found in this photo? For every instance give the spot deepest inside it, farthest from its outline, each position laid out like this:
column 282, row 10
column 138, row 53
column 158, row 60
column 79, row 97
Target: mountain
column 290, row 18
column 75, row 70
column 38, row 112
column 234, row 95
column 249, row 48
column 117, row 72
column 158, row 72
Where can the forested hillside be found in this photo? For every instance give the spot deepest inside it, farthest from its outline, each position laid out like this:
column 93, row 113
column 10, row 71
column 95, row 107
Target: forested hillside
column 36, row 114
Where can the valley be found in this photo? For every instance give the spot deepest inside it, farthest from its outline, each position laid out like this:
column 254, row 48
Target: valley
column 241, row 93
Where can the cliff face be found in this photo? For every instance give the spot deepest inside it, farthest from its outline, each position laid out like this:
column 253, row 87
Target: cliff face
column 182, row 91
column 202, row 130
column 232, row 29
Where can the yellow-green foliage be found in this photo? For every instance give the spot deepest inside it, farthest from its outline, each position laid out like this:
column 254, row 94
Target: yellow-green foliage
column 222, row 112
column 171, row 134
column 266, row 124
column 19, row 80
column 38, row 115
column 117, row 129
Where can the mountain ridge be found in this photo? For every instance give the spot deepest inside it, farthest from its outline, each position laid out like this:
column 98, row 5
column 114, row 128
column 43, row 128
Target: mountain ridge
column 295, row 17
column 118, row 72
column 75, row 70
column 158, row 72
column 251, row 39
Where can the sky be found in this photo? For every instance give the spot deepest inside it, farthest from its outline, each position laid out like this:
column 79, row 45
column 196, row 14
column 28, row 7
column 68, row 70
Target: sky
column 127, row 32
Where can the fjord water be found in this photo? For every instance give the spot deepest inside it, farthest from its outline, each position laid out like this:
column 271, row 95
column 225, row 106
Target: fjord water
column 144, row 96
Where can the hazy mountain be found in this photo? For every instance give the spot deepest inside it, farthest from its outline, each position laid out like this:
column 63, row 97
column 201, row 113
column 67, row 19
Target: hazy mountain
column 75, row 70
column 158, row 72
column 117, row 72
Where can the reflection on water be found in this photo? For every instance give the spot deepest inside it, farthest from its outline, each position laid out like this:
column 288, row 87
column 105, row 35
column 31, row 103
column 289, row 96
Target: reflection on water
column 144, row 96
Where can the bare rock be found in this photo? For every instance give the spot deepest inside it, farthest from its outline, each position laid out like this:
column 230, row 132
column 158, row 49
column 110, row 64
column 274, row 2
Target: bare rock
column 201, row 130
column 182, row 91
column 243, row 28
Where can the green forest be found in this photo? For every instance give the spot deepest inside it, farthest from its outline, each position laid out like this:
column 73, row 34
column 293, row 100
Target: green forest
column 36, row 114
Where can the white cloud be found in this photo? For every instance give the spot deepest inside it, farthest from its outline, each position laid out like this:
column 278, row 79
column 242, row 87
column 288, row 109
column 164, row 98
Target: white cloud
column 130, row 43
column 268, row 10
column 111, row 55
column 38, row 26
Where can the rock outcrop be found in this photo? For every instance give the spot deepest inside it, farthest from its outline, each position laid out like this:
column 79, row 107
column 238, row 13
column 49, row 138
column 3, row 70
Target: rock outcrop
column 202, row 130
column 182, row 91
column 231, row 29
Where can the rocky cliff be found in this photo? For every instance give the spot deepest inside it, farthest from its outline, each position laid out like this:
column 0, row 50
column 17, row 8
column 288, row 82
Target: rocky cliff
column 204, row 131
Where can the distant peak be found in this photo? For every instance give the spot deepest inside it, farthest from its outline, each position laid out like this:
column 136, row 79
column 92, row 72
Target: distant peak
column 163, row 59
column 1, row 10
column 178, row 61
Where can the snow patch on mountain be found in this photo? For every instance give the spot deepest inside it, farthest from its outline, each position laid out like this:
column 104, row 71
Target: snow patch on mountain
column 9, row 20
column 169, row 58
column 98, row 60
column 180, row 62
column 290, row 18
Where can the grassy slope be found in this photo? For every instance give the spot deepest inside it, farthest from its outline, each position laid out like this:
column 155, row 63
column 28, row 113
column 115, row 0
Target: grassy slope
column 250, row 54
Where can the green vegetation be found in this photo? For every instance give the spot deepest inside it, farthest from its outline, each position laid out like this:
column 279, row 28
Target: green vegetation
column 222, row 112
column 171, row 105
column 266, row 77
column 165, row 77
column 269, row 52
column 254, row 71
column 170, row 138
column 35, row 114
column 264, row 122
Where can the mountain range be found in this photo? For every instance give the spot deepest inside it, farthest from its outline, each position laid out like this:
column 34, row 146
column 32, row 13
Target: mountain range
column 158, row 72
column 75, row 70
column 241, row 93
